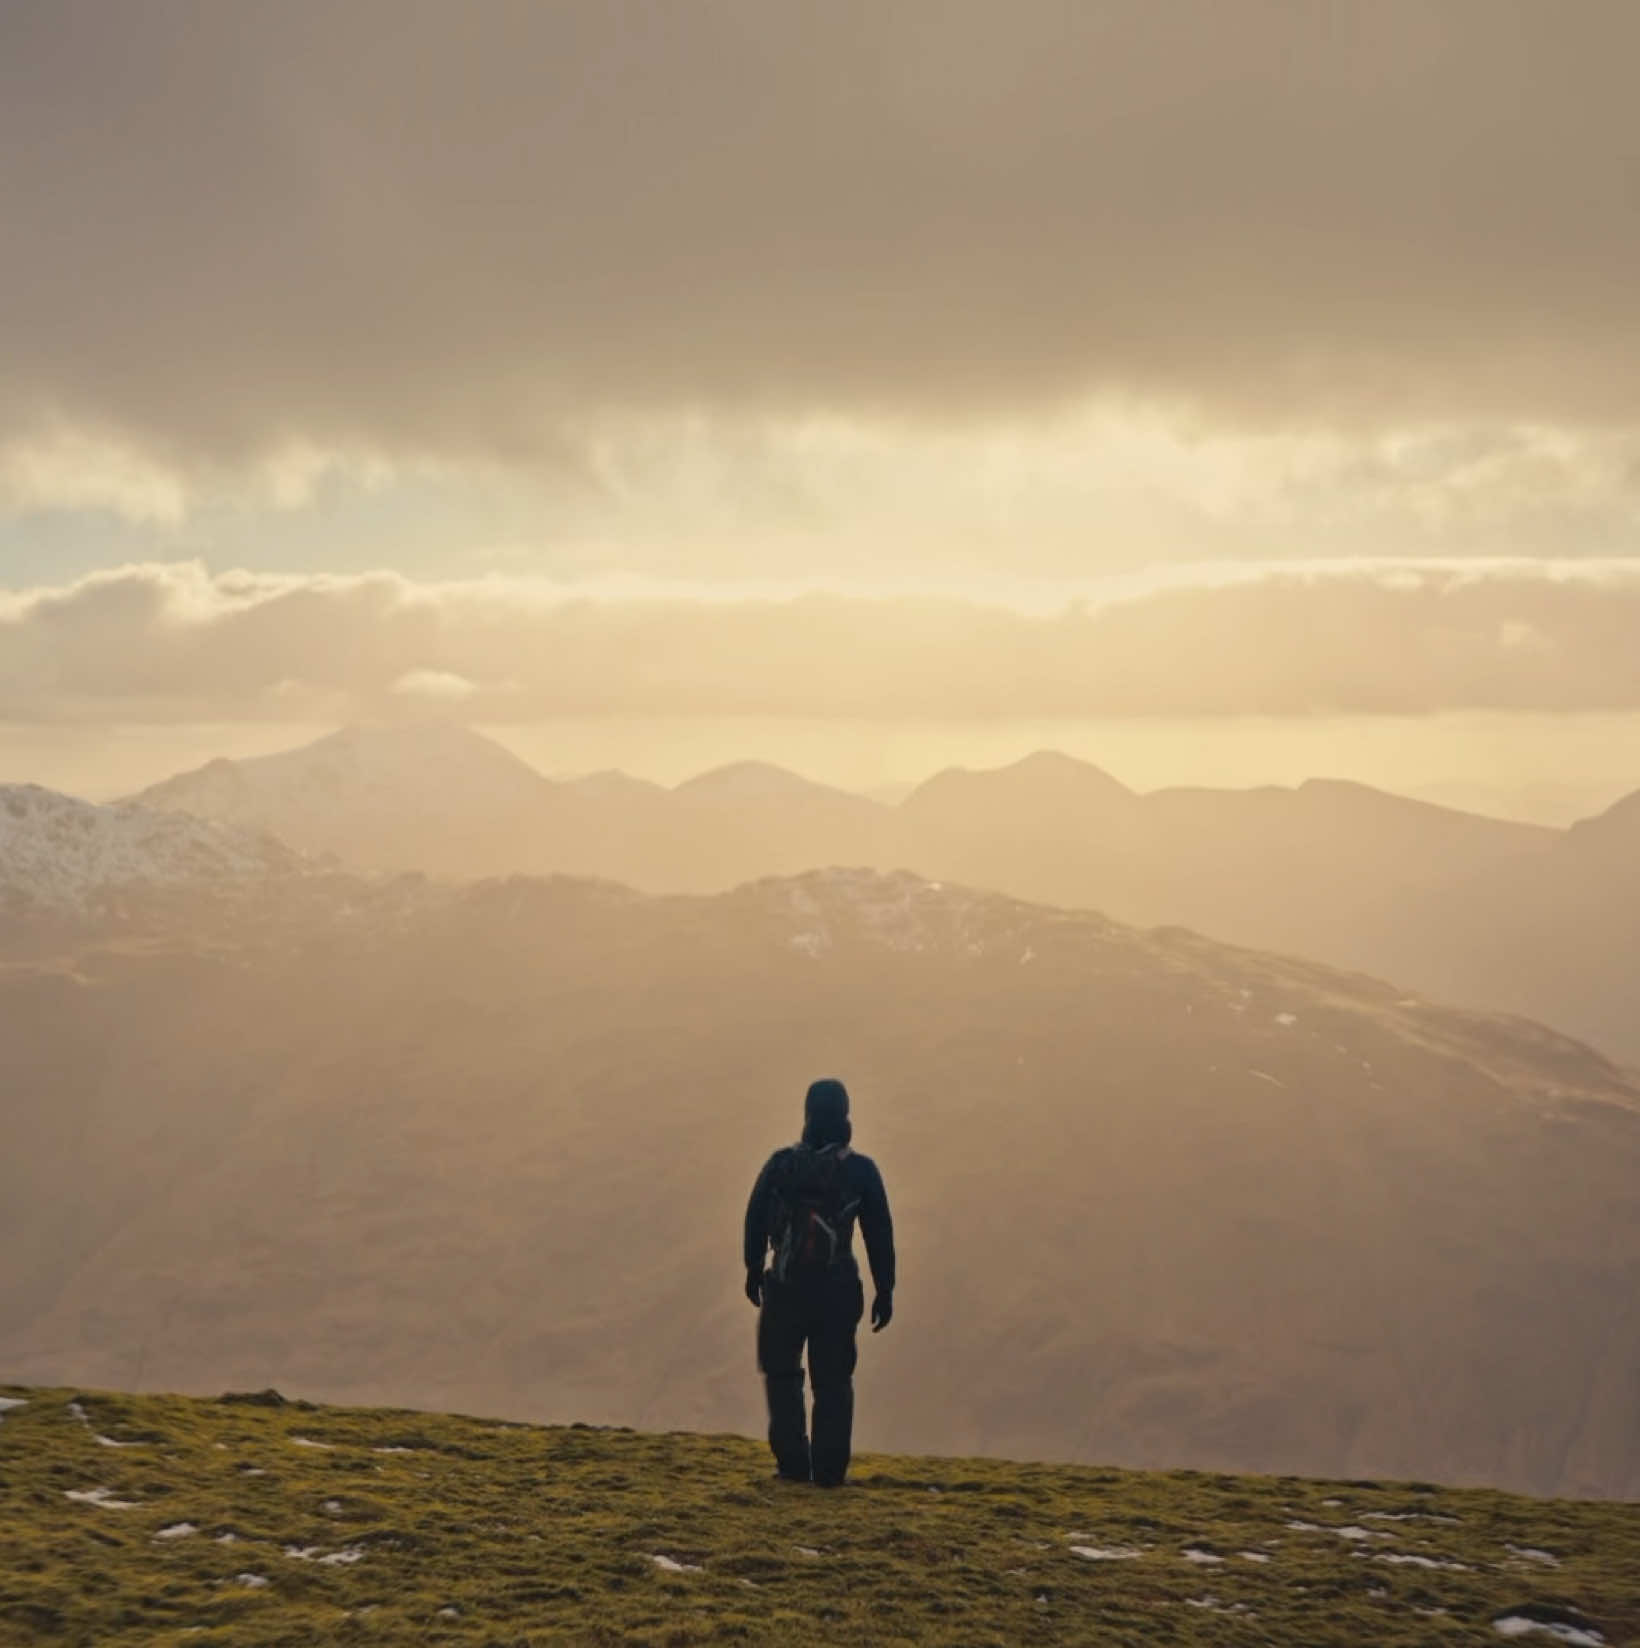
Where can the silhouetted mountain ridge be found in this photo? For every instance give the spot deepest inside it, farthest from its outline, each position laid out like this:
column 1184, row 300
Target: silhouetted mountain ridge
column 1479, row 910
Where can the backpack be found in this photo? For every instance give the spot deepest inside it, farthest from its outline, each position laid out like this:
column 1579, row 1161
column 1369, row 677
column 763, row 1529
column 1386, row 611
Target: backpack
column 811, row 1221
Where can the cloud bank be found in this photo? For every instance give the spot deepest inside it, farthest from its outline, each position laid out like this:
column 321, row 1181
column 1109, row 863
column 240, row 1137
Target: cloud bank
column 175, row 643
column 400, row 226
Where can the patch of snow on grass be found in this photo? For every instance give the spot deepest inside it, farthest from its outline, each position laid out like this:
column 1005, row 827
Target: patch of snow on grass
column 344, row 1558
column 1197, row 1554
column 1348, row 1530
column 176, row 1530
column 805, row 1550
column 102, row 1497
column 308, row 1442
column 1254, row 1556
column 84, row 1418
column 251, row 1582
column 670, row 1565
column 1213, row 1604
column 1530, row 1553
column 1105, row 1553
column 1519, row 1625
column 303, row 1553
column 1408, row 1516
column 1411, row 1559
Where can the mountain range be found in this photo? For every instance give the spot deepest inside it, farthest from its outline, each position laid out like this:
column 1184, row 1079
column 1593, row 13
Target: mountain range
column 1480, row 911
column 486, row 1145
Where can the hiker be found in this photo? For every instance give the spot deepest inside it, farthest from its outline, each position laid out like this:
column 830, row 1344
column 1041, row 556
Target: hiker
column 804, row 1206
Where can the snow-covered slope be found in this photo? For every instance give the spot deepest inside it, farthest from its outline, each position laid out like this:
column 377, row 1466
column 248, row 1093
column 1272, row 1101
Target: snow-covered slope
column 59, row 853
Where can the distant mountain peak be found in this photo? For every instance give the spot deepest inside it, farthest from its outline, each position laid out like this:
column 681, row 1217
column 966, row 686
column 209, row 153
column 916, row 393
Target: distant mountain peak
column 752, row 781
column 1042, row 771
column 396, row 741
column 1056, row 763
column 395, row 760
column 611, row 783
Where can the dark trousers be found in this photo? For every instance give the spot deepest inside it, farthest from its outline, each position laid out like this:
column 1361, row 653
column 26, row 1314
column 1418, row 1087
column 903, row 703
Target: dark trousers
column 823, row 1313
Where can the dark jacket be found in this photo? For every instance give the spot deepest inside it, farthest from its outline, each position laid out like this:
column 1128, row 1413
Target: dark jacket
column 860, row 1179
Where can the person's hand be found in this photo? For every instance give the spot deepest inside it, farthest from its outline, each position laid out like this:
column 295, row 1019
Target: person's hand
column 754, row 1286
column 882, row 1311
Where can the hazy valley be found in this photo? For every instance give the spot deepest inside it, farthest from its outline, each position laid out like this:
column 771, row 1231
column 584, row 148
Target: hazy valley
column 486, row 1146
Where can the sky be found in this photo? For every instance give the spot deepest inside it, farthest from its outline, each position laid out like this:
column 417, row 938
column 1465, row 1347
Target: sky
column 1138, row 366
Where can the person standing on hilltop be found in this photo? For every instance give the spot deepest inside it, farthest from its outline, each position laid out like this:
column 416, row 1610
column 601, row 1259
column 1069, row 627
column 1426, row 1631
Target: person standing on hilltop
column 804, row 1207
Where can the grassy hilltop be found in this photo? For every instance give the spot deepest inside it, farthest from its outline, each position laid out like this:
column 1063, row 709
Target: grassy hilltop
column 159, row 1520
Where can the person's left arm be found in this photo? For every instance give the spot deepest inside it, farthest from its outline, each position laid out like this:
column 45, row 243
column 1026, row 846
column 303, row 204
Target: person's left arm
column 877, row 1226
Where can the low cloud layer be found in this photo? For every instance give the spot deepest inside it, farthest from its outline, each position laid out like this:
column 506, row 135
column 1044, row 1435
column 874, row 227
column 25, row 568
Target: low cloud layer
column 400, row 226
column 174, row 643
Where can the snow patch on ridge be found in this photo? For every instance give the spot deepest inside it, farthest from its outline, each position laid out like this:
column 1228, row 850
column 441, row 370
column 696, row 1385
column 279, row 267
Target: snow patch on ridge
column 59, row 853
column 896, row 911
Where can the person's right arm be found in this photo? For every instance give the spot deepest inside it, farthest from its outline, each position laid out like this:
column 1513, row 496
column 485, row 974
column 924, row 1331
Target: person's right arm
column 755, row 1245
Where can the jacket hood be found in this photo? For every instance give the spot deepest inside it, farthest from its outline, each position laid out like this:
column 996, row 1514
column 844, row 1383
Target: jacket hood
column 825, row 1115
